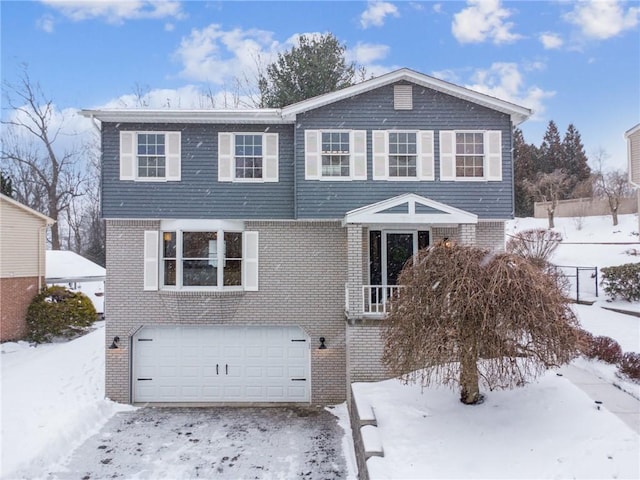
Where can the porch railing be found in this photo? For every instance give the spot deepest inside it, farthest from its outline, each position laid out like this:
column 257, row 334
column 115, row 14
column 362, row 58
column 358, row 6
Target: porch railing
column 375, row 298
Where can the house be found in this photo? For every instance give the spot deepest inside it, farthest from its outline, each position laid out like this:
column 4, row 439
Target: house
column 251, row 253
column 73, row 271
column 633, row 158
column 22, row 264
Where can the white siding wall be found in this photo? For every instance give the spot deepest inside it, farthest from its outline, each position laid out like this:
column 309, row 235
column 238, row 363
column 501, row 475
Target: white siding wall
column 22, row 249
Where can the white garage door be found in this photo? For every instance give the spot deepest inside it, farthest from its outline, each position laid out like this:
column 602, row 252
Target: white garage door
column 221, row 364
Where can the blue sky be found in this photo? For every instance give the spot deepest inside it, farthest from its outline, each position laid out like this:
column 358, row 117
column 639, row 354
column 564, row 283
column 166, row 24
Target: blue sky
column 570, row 61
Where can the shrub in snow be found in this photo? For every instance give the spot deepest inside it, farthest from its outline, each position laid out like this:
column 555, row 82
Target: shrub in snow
column 630, row 365
column 622, row 281
column 56, row 311
column 605, row 349
column 585, row 340
column 536, row 245
column 495, row 317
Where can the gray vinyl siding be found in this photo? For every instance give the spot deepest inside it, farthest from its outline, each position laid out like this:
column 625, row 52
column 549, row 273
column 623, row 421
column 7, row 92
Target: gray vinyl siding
column 432, row 110
column 198, row 194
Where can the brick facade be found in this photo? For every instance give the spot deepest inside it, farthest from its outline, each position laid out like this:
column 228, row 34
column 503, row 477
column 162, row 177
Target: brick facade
column 302, row 278
column 15, row 296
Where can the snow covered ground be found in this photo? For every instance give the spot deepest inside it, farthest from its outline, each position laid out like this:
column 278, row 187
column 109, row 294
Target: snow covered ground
column 52, row 399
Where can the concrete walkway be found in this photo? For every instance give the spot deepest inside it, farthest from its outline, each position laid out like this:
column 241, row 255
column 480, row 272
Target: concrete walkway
column 626, row 407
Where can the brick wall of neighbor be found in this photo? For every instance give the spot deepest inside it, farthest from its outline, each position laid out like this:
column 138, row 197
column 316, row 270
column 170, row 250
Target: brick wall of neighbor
column 15, row 296
column 302, row 276
column 490, row 235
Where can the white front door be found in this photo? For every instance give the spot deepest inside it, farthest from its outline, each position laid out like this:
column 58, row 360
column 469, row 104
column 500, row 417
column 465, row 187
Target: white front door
column 220, row 364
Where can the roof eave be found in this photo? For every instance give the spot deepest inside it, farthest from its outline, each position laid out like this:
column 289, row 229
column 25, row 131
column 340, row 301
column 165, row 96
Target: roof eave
column 260, row 116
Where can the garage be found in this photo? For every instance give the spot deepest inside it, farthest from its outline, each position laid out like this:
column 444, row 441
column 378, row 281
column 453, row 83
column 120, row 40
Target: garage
column 220, row 364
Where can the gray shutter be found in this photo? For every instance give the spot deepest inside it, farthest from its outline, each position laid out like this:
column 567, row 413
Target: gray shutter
column 312, row 154
column 151, row 251
column 425, row 139
column 359, row 154
column 250, row 261
column 174, row 166
column 127, row 155
column 493, row 146
column 270, row 157
column 380, row 154
column 225, row 157
column 447, row 155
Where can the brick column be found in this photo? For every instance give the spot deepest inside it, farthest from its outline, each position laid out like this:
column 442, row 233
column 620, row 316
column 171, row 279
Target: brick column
column 354, row 268
column 467, row 234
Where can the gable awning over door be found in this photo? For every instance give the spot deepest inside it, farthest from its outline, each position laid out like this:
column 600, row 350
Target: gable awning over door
column 409, row 208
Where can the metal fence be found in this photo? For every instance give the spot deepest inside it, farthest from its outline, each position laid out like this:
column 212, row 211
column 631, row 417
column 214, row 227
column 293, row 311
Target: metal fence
column 580, row 283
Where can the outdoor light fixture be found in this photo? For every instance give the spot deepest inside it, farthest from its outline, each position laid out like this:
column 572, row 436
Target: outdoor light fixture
column 115, row 342
column 446, row 242
column 322, row 345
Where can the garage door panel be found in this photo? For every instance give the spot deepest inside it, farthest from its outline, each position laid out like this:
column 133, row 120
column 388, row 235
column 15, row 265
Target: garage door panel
column 221, row 364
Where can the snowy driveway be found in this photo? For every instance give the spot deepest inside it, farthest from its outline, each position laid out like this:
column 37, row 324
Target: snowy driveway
column 221, row 443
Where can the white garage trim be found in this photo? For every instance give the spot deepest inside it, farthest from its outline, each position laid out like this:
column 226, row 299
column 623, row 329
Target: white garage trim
column 192, row 364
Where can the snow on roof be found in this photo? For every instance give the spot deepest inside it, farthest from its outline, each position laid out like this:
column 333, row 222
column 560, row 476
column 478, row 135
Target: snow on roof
column 65, row 266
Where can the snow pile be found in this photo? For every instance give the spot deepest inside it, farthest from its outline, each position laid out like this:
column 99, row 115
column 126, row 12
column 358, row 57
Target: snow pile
column 52, row 400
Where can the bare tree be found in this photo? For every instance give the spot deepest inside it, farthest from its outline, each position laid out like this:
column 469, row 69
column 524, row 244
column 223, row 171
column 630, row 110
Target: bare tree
column 464, row 315
column 46, row 180
column 613, row 185
column 548, row 187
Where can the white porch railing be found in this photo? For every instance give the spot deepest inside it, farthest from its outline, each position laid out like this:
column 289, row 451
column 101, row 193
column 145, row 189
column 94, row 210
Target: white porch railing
column 375, row 298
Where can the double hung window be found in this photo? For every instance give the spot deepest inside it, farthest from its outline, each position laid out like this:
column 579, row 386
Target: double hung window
column 403, row 153
column 335, row 154
column 248, row 156
column 151, row 155
column 469, row 154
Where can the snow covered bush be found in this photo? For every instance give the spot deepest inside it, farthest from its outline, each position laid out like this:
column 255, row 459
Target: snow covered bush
column 605, row 349
column 536, row 245
column 630, row 365
column 56, row 311
column 622, row 281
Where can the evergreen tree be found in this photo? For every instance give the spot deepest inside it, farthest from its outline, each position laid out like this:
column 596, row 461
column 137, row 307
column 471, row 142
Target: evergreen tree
column 315, row 66
column 574, row 163
column 551, row 152
column 6, row 185
column 525, row 158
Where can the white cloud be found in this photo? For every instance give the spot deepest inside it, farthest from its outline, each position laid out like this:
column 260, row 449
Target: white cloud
column 483, row 20
column 216, row 56
column 376, row 13
column 550, row 40
column 437, row 7
column 169, row 27
column 46, row 23
column 504, row 81
column 602, row 19
column 365, row 53
column 116, row 11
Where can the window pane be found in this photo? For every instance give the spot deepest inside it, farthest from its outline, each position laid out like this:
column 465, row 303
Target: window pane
column 232, row 273
column 233, row 244
column 199, row 245
column 169, row 272
column 199, row 273
column 169, row 244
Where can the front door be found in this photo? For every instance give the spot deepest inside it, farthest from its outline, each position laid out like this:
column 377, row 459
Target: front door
column 398, row 247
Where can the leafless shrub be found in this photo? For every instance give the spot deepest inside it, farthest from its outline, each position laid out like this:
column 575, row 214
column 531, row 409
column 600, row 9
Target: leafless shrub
column 465, row 314
column 536, row 245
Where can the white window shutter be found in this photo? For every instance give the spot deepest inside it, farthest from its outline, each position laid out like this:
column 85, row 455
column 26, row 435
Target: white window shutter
column 225, row 157
column 127, row 155
column 312, row 154
column 447, row 155
column 270, row 157
column 493, row 149
column 250, row 261
column 151, row 251
column 425, row 152
column 380, row 154
column 173, row 155
column 359, row 154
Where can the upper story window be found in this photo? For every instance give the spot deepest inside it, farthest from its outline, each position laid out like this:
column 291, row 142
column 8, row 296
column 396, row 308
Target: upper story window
column 403, row 152
column 402, row 155
column 336, row 155
column 150, row 156
column 247, row 157
column 471, row 155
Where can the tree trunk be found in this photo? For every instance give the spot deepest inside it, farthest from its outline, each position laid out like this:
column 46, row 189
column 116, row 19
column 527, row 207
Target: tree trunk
column 614, row 215
column 469, row 387
column 550, row 213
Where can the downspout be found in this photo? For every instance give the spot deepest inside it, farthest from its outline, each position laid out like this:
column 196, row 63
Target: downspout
column 295, row 168
column 41, row 247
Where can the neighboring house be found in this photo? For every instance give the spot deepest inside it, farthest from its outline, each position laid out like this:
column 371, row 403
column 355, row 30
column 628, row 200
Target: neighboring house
column 251, row 253
column 633, row 157
column 77, row 273
column 22, row 264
